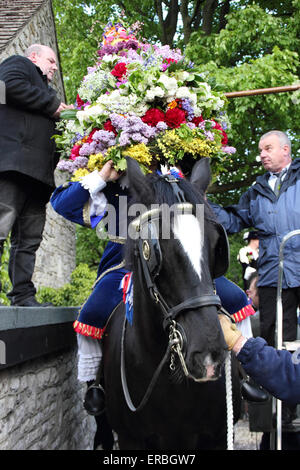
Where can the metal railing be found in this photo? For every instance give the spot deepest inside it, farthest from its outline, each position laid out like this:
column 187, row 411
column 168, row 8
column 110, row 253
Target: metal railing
column 279, row 337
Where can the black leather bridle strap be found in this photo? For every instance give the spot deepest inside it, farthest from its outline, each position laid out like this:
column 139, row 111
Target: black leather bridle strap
column 195, row 302
column 189, row 304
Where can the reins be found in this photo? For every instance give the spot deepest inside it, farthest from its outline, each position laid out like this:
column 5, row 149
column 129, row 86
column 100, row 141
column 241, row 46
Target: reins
column 176, row 341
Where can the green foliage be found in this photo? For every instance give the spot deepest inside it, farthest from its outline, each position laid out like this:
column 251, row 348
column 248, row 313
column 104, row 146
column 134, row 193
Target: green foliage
column 73, row 294
column 79, row 28
column 255, row 50
column 89, row 248
column 4, row 278
column 234, row 272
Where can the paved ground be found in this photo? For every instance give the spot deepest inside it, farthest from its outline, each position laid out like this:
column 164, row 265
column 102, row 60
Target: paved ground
column 243, row 438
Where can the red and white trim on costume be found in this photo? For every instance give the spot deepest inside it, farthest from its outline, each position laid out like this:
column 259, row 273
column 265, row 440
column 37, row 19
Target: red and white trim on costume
column 87, row 330
column 243, row 313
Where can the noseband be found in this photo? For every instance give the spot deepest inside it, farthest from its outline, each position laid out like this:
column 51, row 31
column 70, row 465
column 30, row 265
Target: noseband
column 149, row 258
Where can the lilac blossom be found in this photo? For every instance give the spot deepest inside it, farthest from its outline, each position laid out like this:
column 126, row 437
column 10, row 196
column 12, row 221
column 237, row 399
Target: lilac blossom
column 72, row 165
column 188, row 108
column 132, row 129
column 228, row 149
column 161, row 126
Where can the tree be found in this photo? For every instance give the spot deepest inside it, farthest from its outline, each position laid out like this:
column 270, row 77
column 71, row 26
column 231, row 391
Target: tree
column 254, row 50
column 238, row 45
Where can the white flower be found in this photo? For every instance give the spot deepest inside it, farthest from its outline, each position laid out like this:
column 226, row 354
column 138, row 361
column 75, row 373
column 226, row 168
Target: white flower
column 154, row 92
column 170, row 83
column 109, row 58
column 182, row 75
column 89, row 113
column 150, row 96
column 184, row 92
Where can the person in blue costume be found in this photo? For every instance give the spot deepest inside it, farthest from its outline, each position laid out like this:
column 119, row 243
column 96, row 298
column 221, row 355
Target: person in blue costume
column 85, row 202
column 236, row 303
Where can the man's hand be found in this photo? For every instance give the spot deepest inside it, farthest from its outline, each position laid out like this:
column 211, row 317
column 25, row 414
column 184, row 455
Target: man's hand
column 230, row 331
column 61, row 108
column 108, row 173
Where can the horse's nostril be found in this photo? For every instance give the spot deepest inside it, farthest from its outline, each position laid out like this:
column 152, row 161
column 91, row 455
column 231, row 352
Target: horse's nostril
column 206, row 365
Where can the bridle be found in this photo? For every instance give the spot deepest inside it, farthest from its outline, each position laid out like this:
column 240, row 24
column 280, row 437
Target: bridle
column 149, row 259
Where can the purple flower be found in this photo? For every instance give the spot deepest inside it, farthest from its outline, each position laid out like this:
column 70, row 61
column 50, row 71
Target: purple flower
column 124, row 139
column 188, row 108
column 161, row 126
column 228, row 149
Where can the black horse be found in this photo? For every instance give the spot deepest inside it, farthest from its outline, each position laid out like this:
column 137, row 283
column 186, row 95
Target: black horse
column 164, row 371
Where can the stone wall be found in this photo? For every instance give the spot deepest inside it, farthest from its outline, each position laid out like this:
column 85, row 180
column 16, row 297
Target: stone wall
column 55, row 259
column 41, row 406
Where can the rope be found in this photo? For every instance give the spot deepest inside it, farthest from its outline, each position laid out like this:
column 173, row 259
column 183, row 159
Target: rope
column 229, row 406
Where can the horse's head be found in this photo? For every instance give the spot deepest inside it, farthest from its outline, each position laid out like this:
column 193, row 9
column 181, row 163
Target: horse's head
column 175, row 249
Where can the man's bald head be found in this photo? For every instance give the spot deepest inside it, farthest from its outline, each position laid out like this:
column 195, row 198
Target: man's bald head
column 43, row 57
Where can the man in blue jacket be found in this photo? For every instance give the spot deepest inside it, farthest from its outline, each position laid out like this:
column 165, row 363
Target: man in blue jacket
column 278, row 371
column 272, row 206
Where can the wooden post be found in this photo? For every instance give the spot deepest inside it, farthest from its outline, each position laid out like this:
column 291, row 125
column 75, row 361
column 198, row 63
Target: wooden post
column 262, row 91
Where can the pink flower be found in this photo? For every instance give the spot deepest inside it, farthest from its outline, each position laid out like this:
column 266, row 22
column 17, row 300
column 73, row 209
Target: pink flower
column 75, row 152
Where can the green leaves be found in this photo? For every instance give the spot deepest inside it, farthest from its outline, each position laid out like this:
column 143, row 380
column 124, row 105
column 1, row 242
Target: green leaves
column 255, row 50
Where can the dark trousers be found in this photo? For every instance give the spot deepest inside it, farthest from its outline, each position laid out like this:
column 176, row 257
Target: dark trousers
column 267, row 310
column 22, row 214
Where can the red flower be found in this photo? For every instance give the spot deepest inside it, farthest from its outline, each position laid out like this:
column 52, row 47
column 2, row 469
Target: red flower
column 197, row 120
column 79, row 101
column 153, row 116
column 224, row 141
column 109, row 127
column 174, row 117
column 75, row 152
column 169, row 60
column 119, row 70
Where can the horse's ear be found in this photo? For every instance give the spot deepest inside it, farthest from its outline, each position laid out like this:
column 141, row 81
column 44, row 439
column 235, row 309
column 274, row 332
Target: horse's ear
column 138, row 184
column 201, row 175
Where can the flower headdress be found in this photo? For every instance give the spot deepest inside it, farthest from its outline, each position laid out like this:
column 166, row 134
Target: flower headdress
column 143, row 101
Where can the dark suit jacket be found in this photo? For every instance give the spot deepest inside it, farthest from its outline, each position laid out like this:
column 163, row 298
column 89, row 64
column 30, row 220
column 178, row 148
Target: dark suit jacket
column 26, row 123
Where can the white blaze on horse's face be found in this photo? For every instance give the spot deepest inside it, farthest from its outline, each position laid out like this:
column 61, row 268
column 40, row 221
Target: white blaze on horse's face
column 187, row 231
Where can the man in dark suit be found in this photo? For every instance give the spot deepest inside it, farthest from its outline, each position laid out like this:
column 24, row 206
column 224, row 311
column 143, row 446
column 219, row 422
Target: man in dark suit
column 27, row 161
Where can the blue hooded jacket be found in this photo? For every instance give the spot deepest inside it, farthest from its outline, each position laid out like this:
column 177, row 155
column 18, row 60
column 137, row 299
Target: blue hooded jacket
column 274, row 217
column 277, row 371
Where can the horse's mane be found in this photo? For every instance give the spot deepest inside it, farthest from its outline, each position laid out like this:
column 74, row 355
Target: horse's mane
column 164, row 194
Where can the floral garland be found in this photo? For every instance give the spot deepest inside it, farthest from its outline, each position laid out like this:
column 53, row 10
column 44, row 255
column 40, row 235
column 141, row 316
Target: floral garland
column 143, row 101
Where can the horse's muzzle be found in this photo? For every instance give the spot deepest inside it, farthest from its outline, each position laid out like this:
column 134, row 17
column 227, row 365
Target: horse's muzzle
column 204, row 368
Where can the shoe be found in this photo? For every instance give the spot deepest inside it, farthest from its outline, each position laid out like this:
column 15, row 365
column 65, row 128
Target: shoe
column 94, row 400
column 32, row 302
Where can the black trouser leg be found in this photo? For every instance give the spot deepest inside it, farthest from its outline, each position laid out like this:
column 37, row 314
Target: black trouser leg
column 267, row 310
column 26, row 237
column 22, row 212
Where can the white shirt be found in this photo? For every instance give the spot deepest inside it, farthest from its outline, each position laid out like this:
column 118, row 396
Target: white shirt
column 273, row 178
